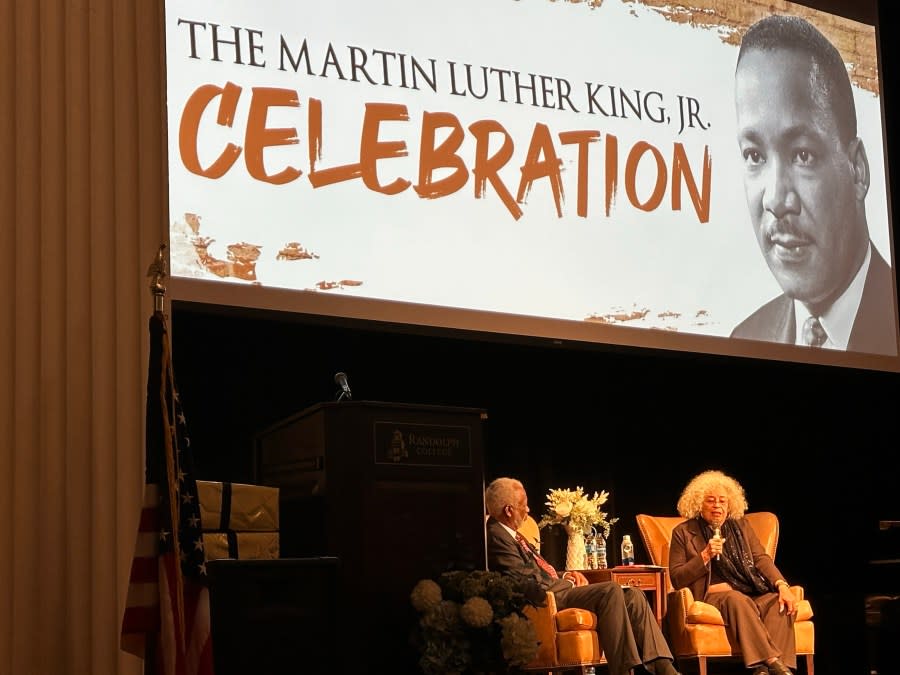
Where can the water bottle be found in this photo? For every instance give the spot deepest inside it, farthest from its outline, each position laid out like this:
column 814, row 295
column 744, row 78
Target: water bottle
column 590, row 550
column 627, row 550
column 600, row 546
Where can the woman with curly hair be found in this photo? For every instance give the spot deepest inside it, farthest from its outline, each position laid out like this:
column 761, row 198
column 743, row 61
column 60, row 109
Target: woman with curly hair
column 716, row 554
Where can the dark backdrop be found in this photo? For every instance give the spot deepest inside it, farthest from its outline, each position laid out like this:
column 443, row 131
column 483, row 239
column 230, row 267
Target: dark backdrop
column 815, row 445
column 811, row 444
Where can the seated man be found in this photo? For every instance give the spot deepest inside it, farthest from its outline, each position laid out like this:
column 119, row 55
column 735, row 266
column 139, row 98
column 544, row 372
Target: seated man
column 628, row 630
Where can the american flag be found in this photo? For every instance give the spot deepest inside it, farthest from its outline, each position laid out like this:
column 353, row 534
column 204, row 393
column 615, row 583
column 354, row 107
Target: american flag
column 167, row 616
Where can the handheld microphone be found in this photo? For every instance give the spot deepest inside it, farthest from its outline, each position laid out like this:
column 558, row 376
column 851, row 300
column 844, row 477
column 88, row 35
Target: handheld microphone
column 340, row 379
column 718, row 535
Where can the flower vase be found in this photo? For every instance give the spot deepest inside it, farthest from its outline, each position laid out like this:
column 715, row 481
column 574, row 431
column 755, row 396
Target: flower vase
column 575, row 549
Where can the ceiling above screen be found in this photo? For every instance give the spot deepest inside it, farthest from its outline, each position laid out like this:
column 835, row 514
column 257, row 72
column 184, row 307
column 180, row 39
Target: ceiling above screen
column 570, row 172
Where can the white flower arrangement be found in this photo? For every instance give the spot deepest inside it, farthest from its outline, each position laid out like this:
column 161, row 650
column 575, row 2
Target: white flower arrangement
column 472, row 622
column 577, row 511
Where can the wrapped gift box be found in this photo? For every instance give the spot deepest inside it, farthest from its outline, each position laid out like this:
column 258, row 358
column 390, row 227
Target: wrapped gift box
column 237, row 506
column 242, row 545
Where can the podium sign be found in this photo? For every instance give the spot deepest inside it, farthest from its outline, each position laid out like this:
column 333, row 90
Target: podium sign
column 422, row 444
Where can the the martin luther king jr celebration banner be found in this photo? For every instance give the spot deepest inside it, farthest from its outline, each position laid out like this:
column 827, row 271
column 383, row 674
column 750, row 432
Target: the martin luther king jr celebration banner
column 568, row 160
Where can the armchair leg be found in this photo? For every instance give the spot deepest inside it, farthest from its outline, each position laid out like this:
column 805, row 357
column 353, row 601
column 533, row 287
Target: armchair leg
column 701, row 662
column 810, row 669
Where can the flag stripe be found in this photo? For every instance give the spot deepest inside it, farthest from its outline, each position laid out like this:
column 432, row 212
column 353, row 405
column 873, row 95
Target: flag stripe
column 150, row 516
column 145, row 596
column 147, row 544
column 144, row 571
column 200, row 630
column 144, row 619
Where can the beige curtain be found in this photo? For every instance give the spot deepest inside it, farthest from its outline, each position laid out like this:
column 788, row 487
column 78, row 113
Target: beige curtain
column 82, row 212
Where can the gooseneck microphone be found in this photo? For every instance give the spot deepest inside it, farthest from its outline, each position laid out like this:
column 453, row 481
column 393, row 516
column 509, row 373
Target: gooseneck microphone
column 340, row 379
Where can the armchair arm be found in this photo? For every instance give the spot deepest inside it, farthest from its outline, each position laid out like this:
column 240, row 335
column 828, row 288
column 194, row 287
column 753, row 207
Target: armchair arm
column 544, row 620
column 678, row 603
column 804, row 609
column 683, row 610
column 701, row 612
column 566, row 638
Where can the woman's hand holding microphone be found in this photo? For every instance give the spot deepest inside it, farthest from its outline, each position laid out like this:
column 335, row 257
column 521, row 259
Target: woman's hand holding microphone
column 714, row 547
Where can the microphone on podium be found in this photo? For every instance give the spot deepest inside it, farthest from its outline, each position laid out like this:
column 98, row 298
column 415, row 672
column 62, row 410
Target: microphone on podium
column 340, row 379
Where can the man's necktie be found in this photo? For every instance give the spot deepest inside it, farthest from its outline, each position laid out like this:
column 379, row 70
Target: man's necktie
column 813, row 333
column 543, row 564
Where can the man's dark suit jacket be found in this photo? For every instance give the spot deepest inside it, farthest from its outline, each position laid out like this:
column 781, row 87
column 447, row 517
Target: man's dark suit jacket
column 873, row 329
column 505, row 554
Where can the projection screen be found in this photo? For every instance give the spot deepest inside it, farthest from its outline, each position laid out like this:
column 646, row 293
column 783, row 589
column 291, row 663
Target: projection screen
column 570, row 172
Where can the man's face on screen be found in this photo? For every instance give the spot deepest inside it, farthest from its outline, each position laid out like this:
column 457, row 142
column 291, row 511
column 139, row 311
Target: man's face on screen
column 798, row 176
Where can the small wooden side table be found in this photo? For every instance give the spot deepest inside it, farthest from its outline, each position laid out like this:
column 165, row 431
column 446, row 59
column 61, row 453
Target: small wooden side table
column 646, row 577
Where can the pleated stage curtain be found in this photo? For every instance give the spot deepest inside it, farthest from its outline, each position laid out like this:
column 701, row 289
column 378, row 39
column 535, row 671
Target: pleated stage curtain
column 82, row 213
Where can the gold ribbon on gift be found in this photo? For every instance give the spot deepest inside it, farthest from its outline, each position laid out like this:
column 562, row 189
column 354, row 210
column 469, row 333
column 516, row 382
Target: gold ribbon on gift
column 237, row 506
column 243, row 545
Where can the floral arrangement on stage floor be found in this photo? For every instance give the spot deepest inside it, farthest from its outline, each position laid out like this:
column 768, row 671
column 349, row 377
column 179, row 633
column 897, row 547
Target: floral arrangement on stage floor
column 472, row 622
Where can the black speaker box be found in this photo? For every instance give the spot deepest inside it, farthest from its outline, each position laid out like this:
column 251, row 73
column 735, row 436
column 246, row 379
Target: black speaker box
column 275, row 616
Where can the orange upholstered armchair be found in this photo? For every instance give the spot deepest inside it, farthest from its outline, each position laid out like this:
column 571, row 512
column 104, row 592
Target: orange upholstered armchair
column 696, row 630
column 568, row 638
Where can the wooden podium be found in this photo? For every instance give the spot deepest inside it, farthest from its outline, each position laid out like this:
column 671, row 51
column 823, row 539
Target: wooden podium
column 395, row 491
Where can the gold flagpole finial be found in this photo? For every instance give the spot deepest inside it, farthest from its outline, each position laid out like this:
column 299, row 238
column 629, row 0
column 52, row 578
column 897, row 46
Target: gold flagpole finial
column 157, row 273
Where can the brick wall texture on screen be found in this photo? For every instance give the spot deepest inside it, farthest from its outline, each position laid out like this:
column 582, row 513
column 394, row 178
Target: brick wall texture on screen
column 855, row 41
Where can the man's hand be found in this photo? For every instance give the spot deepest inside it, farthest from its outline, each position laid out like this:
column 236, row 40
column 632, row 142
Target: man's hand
column 576, row 578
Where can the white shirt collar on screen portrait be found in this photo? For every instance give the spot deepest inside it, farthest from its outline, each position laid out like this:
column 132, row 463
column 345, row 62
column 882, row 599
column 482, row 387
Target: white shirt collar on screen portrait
column 838, row 320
